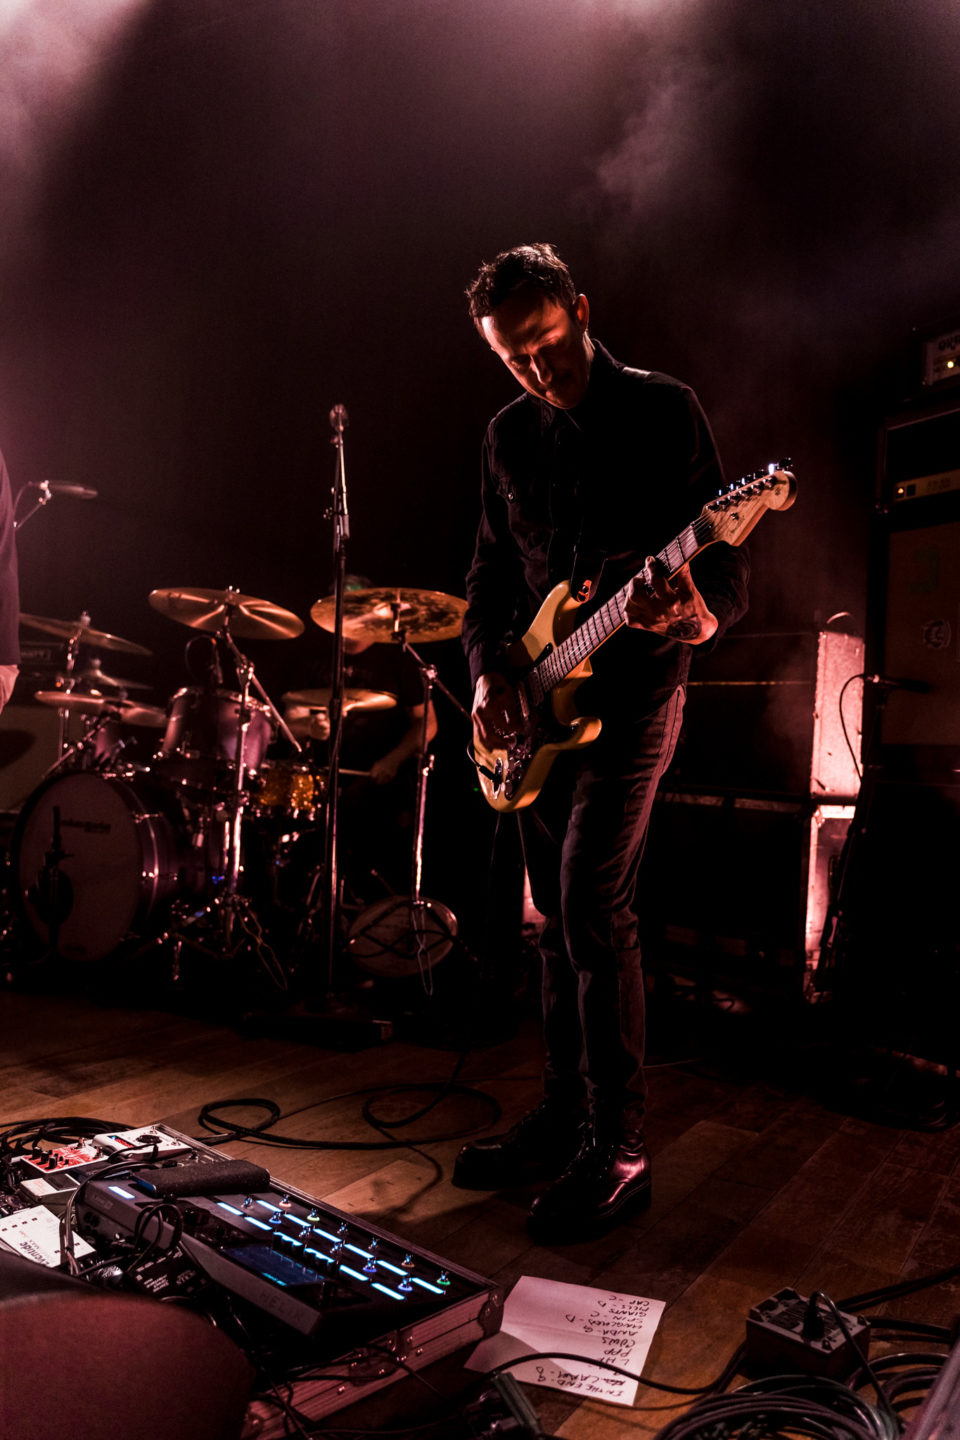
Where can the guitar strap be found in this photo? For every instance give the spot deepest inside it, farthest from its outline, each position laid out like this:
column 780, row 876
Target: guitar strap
column 587, row 559
column 587, row 570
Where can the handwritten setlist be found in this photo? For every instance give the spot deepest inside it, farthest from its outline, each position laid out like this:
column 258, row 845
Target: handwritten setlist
column 550, row 1317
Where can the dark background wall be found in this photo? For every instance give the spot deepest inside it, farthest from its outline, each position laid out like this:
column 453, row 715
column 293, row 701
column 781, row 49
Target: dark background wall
column 221, row 217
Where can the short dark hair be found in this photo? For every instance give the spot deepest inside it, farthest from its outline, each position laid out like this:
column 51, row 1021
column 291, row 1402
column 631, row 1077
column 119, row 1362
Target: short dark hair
column 525, row 267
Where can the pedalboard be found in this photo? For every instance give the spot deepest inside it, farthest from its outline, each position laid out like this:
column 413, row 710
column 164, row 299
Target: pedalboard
column 87, row 1155
column 322, row 1288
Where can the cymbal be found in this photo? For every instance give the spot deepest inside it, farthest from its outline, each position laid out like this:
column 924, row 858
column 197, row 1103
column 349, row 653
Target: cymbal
column 369, row 614
column 79, row 630
column 128, row 711
column 352, row 699
column 93, row 677
column 216, row 609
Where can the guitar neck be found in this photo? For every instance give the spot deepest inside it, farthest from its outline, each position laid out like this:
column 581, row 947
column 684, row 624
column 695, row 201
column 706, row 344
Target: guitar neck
column 605, row 621
column 730, row 517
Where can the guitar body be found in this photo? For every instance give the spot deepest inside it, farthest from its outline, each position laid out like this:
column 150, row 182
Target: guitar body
column 517, row 771
column 552, row 660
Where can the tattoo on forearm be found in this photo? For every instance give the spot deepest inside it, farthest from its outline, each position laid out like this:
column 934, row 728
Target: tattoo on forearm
column 684, row 629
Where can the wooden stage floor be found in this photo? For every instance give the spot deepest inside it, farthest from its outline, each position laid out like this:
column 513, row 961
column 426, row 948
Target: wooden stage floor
column 766, row 1174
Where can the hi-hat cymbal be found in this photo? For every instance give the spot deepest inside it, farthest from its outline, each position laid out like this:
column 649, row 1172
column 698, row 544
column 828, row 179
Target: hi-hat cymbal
column 376, row 615
column 82, row 631
column 352, row 699
column 92, row 677
column 245, row 616
column 128, row 711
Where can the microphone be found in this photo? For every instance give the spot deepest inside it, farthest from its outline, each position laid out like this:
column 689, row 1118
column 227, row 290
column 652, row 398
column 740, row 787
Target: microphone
column 339, row 419
column 63, row 487
column 891, row 682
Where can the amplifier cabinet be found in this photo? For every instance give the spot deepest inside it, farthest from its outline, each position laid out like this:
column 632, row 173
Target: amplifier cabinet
column 921, row 631
column 763, row 716
column 914, row 575
column 765, row 870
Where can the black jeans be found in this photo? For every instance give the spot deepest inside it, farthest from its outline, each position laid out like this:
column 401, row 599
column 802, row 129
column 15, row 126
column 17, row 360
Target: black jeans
column 583, row 840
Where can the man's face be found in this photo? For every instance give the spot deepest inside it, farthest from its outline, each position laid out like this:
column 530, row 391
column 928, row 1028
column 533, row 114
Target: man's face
column 544, row 346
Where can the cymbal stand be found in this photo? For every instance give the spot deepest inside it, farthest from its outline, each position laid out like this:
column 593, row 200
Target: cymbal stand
column 73, row 645
column 421, row 910
column 81, row 746
column 233, row 825
column 44, row 496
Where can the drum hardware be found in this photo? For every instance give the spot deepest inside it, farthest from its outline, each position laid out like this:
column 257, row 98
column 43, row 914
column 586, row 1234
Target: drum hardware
column 408, row 934
column 238, row 754
column 45, row 491
column 87, row 745
column 186, row 927
column 76, row 633
column 100, row 739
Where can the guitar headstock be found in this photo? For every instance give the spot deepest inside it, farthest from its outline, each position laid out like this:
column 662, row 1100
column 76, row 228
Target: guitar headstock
column 736, row 510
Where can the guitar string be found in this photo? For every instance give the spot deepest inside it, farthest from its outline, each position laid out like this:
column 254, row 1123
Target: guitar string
column 610, row 616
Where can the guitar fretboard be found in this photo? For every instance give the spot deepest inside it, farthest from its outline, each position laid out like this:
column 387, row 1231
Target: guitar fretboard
column 599, row 626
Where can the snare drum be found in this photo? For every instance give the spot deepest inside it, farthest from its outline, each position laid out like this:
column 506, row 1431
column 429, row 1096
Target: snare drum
column 94, row 858
column 283, row 786
column 201, row 739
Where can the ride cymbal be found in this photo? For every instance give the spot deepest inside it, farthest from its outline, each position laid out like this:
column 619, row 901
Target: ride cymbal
column 243, row 615
column 82, row 631
column 377, row 615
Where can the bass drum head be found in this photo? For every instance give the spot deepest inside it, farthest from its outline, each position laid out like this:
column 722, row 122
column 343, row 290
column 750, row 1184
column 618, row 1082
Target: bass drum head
column 92, row 855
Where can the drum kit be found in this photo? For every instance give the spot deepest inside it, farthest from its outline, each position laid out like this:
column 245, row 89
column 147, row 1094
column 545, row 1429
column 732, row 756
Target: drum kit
column 139, row 833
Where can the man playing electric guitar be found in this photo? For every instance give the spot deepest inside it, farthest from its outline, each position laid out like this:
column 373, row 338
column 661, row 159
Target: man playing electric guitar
column 584, row 477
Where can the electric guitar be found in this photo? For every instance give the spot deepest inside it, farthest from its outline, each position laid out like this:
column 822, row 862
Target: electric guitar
column 553, row 657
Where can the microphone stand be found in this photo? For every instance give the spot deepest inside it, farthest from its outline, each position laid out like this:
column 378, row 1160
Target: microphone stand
column 341, row 537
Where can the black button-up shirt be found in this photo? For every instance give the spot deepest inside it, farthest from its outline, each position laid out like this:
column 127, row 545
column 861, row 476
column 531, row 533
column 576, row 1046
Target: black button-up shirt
column 570, row 495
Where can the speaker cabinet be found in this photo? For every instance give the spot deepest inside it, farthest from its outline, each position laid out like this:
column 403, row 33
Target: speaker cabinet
column 921, row 635
column 763, row 716
column 914, row 629
column 896, row 959
column 764, row 874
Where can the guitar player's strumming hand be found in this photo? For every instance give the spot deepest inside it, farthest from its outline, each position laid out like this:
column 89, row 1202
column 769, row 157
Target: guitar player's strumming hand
column 672, row 607
column 495, row 712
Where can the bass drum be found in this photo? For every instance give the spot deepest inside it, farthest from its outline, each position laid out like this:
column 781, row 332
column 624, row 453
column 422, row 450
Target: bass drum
column 93, row 857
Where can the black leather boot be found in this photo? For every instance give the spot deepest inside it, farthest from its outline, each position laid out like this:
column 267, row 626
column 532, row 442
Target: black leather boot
column 607, row 1180
column 536, row 1148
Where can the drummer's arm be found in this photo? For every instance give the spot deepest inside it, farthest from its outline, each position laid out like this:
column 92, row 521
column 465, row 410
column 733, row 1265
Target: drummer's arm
column 384, row 770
